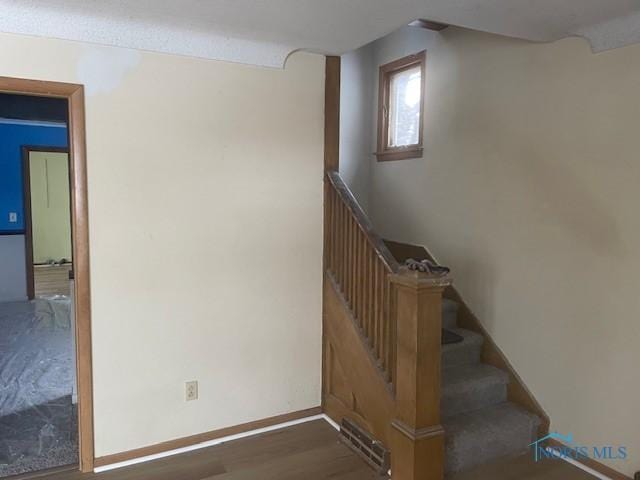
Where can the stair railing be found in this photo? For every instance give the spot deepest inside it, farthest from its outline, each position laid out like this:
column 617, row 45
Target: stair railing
column 360, row 264
column 398, row 313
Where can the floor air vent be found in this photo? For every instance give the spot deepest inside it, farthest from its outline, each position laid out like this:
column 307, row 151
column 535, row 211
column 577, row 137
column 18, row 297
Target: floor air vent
column 361, row 442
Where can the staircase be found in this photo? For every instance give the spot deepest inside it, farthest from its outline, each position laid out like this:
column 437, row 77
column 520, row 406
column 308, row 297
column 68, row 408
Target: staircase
column 438, row 408
column 480, row 423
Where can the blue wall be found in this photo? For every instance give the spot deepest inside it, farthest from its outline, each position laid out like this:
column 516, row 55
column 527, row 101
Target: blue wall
column 12, row 138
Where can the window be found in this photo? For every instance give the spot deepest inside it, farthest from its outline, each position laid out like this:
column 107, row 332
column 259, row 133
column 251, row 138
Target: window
column 400, row 108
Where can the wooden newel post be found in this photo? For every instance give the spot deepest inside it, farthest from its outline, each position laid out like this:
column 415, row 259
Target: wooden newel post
column 417, row 445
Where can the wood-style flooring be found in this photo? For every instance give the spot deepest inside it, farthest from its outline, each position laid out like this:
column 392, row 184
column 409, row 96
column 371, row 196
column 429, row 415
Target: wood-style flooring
column 310, row 451
column 523, row 467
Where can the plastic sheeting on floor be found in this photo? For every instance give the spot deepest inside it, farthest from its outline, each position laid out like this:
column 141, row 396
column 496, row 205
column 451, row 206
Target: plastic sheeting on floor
column 38, row 421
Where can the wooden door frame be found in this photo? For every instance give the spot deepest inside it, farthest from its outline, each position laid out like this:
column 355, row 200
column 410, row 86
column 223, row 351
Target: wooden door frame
column 80, row 231
column 28, row 221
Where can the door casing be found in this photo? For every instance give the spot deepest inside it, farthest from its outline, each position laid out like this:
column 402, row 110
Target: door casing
column 80, row 231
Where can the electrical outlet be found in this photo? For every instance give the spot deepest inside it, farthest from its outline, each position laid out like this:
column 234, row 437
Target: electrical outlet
column 13, row 217
column 191, row 391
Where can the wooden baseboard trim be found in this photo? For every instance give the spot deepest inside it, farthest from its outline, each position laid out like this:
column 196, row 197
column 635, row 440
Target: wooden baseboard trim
column 204, row 437
column 592, row 464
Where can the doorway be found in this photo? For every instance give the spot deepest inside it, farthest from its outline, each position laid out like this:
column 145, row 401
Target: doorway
column 68, row 251
column 47, row 218
column 38, row 395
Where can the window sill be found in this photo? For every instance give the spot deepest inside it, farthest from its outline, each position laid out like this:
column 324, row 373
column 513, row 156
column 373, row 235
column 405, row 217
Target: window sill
column 400, row 154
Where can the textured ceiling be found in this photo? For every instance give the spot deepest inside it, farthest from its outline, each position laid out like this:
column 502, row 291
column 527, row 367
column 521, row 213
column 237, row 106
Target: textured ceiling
column 264, row 32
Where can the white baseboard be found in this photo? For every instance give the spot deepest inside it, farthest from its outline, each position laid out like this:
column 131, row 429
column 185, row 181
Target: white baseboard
column 577, row 464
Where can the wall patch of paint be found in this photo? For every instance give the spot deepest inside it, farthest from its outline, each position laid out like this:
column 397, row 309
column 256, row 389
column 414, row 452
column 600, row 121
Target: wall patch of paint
column 102, row 70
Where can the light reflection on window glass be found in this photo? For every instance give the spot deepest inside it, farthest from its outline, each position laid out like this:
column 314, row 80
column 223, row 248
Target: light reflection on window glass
column 404, row 107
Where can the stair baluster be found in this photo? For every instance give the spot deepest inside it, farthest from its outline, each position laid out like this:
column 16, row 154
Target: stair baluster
column 360, row 263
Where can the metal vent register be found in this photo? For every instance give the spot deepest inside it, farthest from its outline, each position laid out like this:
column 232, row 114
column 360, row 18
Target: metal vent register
column 367, row 447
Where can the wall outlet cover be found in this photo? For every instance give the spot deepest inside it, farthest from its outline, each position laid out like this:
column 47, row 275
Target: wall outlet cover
column 191, row 391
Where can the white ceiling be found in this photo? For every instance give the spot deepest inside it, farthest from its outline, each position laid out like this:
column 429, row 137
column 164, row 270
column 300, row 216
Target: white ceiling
column 264, row 32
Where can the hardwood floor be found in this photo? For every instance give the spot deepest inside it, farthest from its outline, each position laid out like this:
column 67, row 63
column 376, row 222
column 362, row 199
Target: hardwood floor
column 310, row 451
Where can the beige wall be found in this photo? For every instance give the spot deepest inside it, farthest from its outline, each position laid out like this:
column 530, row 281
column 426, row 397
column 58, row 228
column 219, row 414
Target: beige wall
column 205, row 189
column 528, row 189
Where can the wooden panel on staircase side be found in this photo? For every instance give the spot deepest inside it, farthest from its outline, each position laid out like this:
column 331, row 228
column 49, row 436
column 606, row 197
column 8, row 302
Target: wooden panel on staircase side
column 337, row 383
column 349, row 366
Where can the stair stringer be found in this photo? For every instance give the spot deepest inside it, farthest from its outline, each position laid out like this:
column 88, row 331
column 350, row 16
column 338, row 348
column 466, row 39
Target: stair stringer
column 353, row 385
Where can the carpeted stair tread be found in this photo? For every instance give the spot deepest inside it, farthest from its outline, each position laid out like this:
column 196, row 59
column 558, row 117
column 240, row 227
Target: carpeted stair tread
column 478, row 437
column 449, row 313
column 467, row 388
column 464, row 353
column 480, row 424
